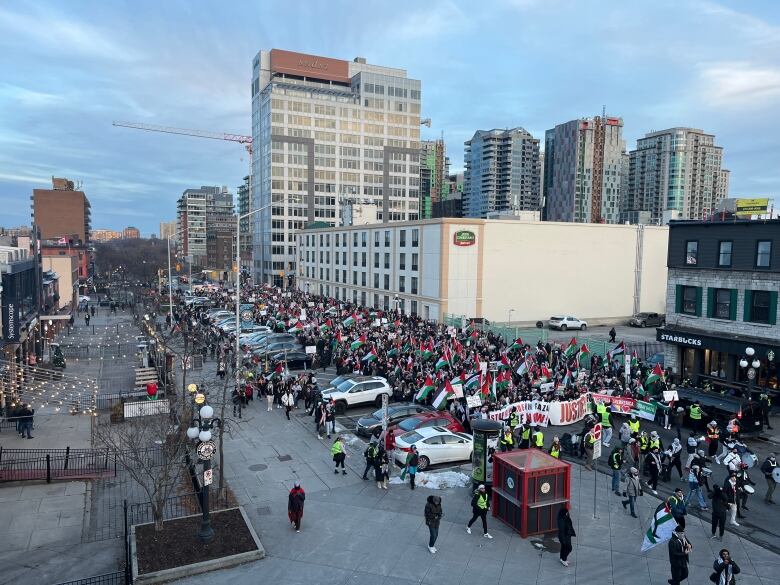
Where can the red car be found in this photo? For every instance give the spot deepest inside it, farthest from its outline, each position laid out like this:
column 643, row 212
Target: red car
column 428, row 419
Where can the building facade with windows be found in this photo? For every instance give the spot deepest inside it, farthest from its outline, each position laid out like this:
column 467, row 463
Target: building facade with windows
column 462, row 267
column 722, row 288
column 323, row 130
column 502, row 172
column 197, row 209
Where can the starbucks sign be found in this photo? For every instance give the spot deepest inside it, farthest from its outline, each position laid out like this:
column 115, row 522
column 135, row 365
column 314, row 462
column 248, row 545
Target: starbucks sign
column 464, row 238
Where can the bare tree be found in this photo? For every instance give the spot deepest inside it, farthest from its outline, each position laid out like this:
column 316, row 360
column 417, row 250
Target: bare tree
column 151, row 450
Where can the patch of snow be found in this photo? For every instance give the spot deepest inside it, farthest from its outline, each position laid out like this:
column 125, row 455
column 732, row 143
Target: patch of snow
column 437, row 481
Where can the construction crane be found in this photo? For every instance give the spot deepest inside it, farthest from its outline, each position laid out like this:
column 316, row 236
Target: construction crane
column 245, row 140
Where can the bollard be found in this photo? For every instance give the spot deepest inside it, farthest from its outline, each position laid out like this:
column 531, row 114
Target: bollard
column 67, row 455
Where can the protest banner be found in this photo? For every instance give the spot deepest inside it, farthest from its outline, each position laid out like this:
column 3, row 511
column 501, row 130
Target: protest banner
column 645, row 410
column 567, row 412
column 535, row 412
column 620, row 404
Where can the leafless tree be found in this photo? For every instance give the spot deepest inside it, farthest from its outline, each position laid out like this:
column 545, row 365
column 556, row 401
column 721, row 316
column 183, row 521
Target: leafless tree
column 151, row 451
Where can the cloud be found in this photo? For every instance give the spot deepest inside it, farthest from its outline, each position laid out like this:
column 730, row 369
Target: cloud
column 438, row 19
column 66, row 36
column 27, row 97
column 732, row 84
column 17, row 178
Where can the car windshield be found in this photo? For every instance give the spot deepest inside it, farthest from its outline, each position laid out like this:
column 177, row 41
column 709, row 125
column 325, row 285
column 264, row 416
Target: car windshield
column 643, row 314
column 554, row 318
column 411, row 438
column 345, row 386
column 410, row 424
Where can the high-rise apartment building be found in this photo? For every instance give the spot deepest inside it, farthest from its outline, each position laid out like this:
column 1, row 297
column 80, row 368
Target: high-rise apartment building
column 434, row 171
column 245, row 225
column 502, row 172
column 325, row 130
column 451, row 204
column 104, row 235
column 675, row 174
column 168, row 230
column 196, row 208
column 583, row 167
column 62, row 212
column 131, row 233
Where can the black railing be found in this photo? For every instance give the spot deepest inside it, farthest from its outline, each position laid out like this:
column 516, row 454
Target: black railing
column 55, row 464
column 108, row 401
column 116, row 578
column 177, row 507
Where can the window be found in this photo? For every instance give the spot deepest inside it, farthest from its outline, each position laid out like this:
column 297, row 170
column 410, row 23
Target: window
column 720, row 303
column 763, row 254
column 724, row 254
column 363, row 279
column 402, row 238
column 414, row 285
column 415, row 260
column 387, row 282
column 344, row 257
column 760, row 306
column 415, row 238
column 402, row 283
column 376, row 239
column 354, row 278
column 414, row 308
column 354, row 239
column 363, row 260
column 354, row 258
column 376, row 260
column 364, row 239
column 387, row 238
column 402, row 261
column 376, row 280
column 387, row 261
column 688, row 300
column 692, row 252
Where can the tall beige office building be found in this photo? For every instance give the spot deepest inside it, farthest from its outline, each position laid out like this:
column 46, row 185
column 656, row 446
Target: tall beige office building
column 168, row 230
column 324, row 131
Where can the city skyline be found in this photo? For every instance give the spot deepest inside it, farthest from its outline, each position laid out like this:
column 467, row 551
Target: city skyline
column 69, row 75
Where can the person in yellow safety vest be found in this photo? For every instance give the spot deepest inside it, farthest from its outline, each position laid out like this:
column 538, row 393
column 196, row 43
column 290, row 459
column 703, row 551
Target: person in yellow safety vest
column 633, row 424
column 587, row 443
column 338, row 453
column 713, row 438
column 695, row 413
column 538, row 438
column 555, row 448
column 525, row 436
column 606, row 423
column 655, row 441
column 766, row 405
column 507, row 443
column 480, row 504
column 600, row 408
column 514, row 419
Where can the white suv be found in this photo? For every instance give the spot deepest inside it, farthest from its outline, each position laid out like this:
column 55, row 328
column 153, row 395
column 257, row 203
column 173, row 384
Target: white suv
column 564, row 323
column 357, row 390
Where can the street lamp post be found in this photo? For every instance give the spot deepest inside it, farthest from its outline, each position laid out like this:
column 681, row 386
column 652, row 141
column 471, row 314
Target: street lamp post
column 200, row 431
column 754, row 363
column 509, row 316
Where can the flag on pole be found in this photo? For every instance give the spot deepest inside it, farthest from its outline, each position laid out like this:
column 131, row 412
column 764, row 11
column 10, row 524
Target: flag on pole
column 440, row 402
column 655, row 375
column 370, row 356
column 425, row 389
column 349, row 320
column 523, row 368
column 566, row 378
column 325, row 326
column 571, row 349
column 661, row 527
column 619, row 349
column 504, row 363
column 545, row 372
column 297, row 328
column 584, row 351
column 441, row 363
column 358, row 342
column 486, row 386
column 503, row 379
column 517, row 344
column 338, row 335
column 634, row 359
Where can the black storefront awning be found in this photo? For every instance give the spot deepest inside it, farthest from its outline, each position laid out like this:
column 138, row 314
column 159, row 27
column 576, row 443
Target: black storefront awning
column 726, row 343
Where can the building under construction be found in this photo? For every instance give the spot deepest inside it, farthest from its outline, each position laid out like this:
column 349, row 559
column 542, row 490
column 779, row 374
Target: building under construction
column 434, row 171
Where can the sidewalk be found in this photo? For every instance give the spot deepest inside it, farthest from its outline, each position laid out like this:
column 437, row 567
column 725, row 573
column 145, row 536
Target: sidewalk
column 353, row 533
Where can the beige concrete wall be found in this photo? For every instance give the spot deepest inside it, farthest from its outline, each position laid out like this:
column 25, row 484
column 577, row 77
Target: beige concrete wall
column 541, row 269
column 66, row 268
column 461, row 267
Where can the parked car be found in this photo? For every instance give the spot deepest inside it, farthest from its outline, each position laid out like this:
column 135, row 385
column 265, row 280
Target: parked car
column 358, row 390
column 434, row 445
column 296, row 359
column 563, row 323
column 434, row 418
column 372, row 424
column 647, row 320
column 276, row 348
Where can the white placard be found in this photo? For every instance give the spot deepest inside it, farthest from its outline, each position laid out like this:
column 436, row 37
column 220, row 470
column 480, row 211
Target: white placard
column 474, row 401
column 391, row 336
column 627, row 362
column 671, row 395
column 263, row 312
column 303, row 315
column 547, row 387
column 311, row 349
column 483, row 366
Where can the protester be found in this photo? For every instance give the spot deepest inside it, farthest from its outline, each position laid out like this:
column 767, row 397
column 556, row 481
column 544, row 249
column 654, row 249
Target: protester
column 565, row 534
column 767, row 468
column 412, row 459
column 295, row 502
column 480, row 504
column 720, row 506
column 633, row 490
column 381, row 464
column 370, row 455
column 616, row 464
column 433, row 515
column 679, row 549
column 725, row 569
column 339, row 455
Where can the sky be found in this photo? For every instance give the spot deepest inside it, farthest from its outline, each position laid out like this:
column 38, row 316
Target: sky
column 68, row 69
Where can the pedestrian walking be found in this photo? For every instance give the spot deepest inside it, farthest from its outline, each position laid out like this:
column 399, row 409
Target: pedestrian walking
column 587, row 444
column 565, row 534
column 28, row 415
column 86, row 318
column 287, row 401
column 633, row 490
column 370, row 454
column 339, row 455
column 679, row 549
column 612, row 335
column 616, row 464
column 767, row 468
column 381, row 465
column 480, row 504
column 412, row 459
column 694, row 487
column 653, row 463
column 678, row 507
column 330, row 418
column 295, row 502
column 725, row 569
column 720, row 506
column 433, row 514
column 730, row 490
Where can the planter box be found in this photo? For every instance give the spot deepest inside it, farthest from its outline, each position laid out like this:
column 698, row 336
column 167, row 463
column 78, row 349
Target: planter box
column 199, row 567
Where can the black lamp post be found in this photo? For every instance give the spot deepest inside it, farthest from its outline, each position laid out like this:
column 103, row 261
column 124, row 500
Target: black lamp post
column 754, row 364
column 200, row 431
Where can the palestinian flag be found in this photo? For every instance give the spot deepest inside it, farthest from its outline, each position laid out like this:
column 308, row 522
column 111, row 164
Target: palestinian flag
column 349, row 320
column 325, row 326
column 661, row 527
column 425, row 389
column 278, row 370
column 425, row 352
column 566, row 378
column 634, row 359
column 440, row 402
column 545, row 372
column 393, row 352
column 297, row 328
column 370, row 356
column 571, row 349
column 471, row 381
column 358, row 342
column 338, row 335
column 503, row 379
column 523, row 368
column 518, row 344
column 584, row 351
column 655, row 375
column 486, row 388
column 474, row 332
column 504, row 363
column 443, row 361
column 619, row 349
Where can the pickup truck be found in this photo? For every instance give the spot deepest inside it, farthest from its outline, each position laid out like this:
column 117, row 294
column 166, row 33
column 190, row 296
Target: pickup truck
column 647, row 320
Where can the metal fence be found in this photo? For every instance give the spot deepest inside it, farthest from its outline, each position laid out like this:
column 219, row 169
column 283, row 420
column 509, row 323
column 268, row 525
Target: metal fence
column 116, row 578
column 108, row 401
column 530, row 335
column 111, row 350
column 55, row 464
column 643, row 349
column 177, row 507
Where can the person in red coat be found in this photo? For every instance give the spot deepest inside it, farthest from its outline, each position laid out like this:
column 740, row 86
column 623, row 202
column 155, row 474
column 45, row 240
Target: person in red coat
column 295, row 506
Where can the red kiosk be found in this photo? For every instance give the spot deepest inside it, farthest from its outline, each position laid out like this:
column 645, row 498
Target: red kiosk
column 529, row 487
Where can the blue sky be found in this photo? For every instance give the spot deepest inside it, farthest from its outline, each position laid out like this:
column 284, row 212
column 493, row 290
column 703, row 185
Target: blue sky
column 70, row 68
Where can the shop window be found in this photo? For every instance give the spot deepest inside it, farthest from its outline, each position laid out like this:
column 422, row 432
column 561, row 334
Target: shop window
column 722, row 303
column 715, row 363
column 724, row 254
column 688, row 300
column 692, row 252
column 763, row 254
column 760, row 306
